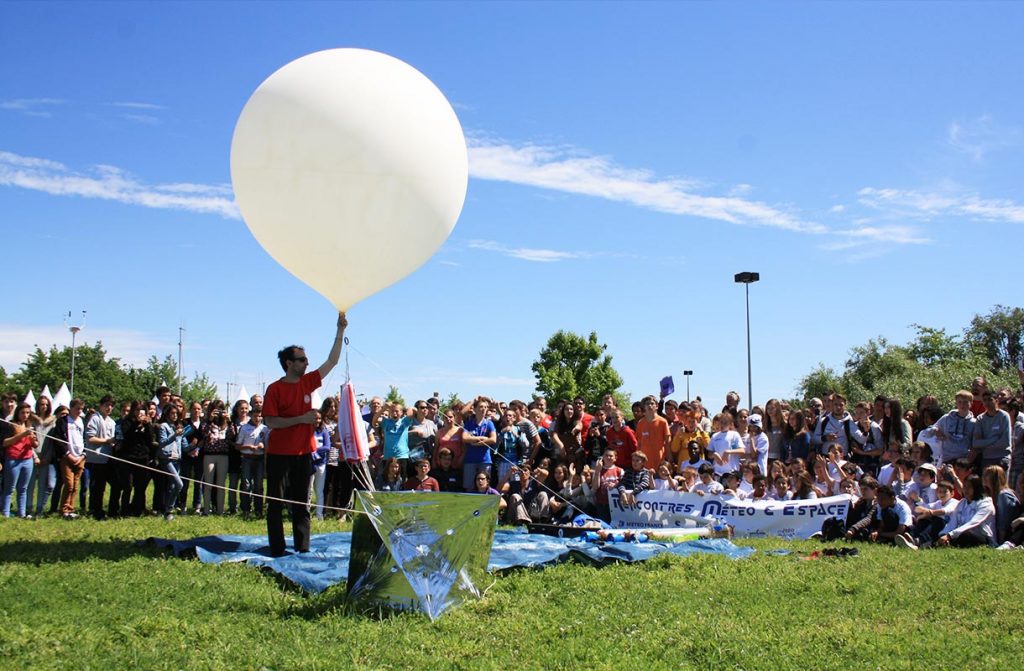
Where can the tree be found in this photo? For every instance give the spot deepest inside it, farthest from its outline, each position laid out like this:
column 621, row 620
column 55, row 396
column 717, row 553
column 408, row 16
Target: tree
column 393, row 395
column 932, row 363
column 5, row 381
column 570, row 365
column 999, row 336
column 97, row 375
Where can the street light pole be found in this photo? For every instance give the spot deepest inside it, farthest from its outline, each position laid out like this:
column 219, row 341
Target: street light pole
column 181, row 330
column 74, row 332
column 687, row 374
column 747, row 279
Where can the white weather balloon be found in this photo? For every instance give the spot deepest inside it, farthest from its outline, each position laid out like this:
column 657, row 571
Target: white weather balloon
column 350, row 168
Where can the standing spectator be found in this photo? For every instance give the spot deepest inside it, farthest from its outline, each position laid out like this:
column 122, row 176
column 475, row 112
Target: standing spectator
column 796, row 441
column 449, row 437
column 621, row 439
column 169, row 444
column 422, row 434
column 992, row 433
column 138, row 449
column 652, row 433
column 215, row 457
column 72, row 462
column 448, row 477
column 758, row 441
column 252, row 443
column 322, row 438
column 192, row 460
column 725, row 447
column 567, row 437
column 395, row 429
column 44, row 474
column 100, row 439
column 19, row 458
column 479, row 436
column 956, row 429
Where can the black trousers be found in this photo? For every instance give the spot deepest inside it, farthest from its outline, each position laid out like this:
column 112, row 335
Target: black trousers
column 99, row 476
column 288, row 478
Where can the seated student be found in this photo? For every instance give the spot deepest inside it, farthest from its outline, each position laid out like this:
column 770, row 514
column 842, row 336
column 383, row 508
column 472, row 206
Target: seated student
column 707, row 484
column 1003, row 498
column 694, row 456
column 922, row 491
column 862, row 513
column 526, row 499
column 687, row 480
column 973, row 521
column 903, row 478
column 421, row 481
column 803, row 488
column 635, row 480
column 930, row 519
column 663, row 479
column 606, row 476
column 759, row 491
column 887, row 471
column 849, row 487
column 892, row 518
column 731, row 483
column 578, row 493
column 747, row 474
column 448, row 477
column 780, row 489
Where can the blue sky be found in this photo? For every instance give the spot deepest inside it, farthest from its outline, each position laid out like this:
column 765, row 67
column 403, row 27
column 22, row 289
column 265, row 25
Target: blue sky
column 626, row 161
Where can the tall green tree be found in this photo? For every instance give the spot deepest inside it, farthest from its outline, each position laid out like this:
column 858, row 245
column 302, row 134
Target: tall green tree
column 393, row 395
column 571, row 365
column 999, row 335
column 934, row 362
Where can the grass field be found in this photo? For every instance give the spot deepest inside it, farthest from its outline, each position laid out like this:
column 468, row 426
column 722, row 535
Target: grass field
column 81, row 595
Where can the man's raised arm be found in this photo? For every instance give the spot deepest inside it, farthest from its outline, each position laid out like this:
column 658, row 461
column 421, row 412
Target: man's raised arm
column 332, row 359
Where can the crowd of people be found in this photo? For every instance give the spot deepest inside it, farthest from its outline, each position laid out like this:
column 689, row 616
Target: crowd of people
column 920, row 477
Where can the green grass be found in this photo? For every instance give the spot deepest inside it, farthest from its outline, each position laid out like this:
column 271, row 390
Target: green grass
column 81, row 595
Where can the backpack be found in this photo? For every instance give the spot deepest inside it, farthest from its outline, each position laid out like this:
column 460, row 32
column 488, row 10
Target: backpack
column 833, row 529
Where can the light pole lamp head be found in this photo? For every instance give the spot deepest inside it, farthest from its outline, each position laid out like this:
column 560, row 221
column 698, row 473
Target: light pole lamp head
column 687, row 372
column 747, row 278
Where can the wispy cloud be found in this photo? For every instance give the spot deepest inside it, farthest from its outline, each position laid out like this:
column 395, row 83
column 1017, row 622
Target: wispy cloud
column 106, row 182
column 38, row 107
column 526, row 253
column 866, row 235
column 929, row 204
column 138, row 106
column 571, row 171
column 982, row 135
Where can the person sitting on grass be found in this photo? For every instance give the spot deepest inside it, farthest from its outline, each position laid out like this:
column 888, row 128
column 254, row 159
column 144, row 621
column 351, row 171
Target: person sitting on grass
column 892, row 518
column 863, row 512
column 663, row 480
column 606, row 476
column 759, row 491
column 448, row 477
column 421, row 481
column 923, row 490
column 526, row 500
column 731, row 483
column 634, row 481
column 1004, row 499
column 707, row 484
column 930, row 519
column 780, row 489
column 973, row 522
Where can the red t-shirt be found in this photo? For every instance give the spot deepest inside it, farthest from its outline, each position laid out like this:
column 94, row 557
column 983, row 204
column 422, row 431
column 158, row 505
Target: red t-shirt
column 624, row 444
column 291, row 399
column 428, row 485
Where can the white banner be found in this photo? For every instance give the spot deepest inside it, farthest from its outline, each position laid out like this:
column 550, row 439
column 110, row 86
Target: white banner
column 750, row 519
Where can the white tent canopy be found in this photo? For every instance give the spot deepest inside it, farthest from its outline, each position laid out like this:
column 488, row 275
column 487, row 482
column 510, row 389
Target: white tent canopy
column 46, row 392
column 315, row 400
column 30, row 398
column 243, row 394
column 62, row 397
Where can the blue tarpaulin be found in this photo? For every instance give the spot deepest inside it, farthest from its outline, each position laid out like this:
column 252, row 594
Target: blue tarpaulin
column 326, row 563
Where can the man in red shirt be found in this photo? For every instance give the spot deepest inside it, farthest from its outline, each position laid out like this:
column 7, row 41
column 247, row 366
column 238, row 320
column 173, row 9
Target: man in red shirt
column 621, row 439
column 288, row 413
